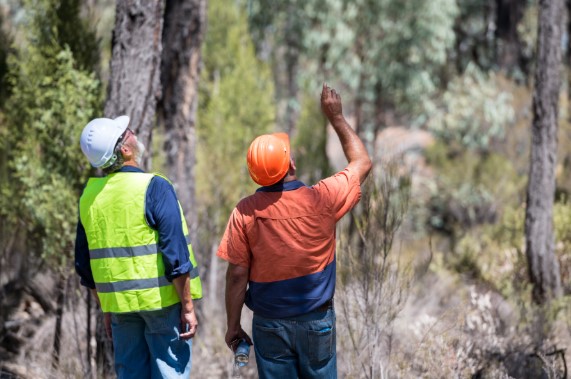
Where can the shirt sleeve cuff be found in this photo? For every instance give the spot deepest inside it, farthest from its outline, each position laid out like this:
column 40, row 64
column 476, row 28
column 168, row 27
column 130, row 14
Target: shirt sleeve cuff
column 181, row 270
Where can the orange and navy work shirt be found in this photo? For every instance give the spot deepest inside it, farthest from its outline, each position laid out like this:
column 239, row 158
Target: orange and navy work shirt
column 285, row 235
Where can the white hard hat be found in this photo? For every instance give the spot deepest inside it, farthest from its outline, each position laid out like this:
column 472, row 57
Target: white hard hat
column 99, row 138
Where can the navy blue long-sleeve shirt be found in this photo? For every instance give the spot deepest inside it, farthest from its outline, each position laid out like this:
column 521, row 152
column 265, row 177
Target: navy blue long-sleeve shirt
column 163, row 214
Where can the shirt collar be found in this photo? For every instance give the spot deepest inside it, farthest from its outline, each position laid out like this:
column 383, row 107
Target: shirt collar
column 129, row 169
column 281, row 186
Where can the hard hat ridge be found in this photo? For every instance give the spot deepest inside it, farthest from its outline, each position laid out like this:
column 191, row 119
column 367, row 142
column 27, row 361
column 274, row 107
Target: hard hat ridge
column 99, row 138
column 268, row 158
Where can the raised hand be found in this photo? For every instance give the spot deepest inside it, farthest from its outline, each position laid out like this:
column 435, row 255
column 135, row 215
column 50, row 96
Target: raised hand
column 331, row 103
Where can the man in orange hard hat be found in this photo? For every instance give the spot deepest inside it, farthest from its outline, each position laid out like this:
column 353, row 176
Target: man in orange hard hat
column 280, row 246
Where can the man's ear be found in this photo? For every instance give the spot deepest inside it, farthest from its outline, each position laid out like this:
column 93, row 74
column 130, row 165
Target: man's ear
column 292, row 168
column 126, row 151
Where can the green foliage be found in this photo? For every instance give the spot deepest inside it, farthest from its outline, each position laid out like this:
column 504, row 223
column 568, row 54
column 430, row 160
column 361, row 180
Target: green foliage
column 475, row 42
column 385, row 49
column 474, row 112
column 236, row 105
column 470, row 188
column 309, row 146
column 383, row 54
column 50, row 103
column 59, row 22
column 474, row 180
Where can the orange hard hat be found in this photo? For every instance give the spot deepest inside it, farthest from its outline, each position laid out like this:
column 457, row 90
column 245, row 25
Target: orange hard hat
column 268, row 158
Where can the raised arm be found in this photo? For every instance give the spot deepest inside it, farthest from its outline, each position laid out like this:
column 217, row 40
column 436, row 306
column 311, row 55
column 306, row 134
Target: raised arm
column 353, row 147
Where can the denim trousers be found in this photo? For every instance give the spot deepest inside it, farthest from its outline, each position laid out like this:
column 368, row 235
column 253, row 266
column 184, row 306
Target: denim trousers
column 147, row 344
column 296, row 347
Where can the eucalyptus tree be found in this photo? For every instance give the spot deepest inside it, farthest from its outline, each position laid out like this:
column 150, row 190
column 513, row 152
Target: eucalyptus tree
column 184, row 28
column 539, row 236
column 387, row 55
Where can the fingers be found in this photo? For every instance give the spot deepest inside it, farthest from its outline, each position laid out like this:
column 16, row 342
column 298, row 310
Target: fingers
column 233, row 338
column 328, row 92
column 189, row 331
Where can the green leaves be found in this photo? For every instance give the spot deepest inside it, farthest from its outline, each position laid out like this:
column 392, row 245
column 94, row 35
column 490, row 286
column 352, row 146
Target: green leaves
column 475, row 112
column 51, row 101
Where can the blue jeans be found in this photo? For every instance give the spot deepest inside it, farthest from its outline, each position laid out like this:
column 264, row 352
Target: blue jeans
column 147, row 344
column 301, row 346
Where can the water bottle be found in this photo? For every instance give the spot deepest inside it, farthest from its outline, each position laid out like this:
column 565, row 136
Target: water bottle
column 241, row 357
column 242, row 353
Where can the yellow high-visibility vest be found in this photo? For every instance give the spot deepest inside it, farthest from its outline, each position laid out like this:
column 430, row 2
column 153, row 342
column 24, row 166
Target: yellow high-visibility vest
column 127, row 265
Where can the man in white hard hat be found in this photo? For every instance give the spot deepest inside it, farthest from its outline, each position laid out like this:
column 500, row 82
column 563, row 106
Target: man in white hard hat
column 132, row 250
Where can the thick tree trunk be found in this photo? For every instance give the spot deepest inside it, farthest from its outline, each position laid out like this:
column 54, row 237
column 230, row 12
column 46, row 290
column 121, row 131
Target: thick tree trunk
column 185, row 23
column 542, row 263
column 134, row 85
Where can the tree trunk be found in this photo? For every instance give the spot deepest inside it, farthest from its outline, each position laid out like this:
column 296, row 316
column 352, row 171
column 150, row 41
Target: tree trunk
column 103, row 349
column 185, row 22
column 59, row 317
column 88, row 306
column 134, row 85
column 542, row 263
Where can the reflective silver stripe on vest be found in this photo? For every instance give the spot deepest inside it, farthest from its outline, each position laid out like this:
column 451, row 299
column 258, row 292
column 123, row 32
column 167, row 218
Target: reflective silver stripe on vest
column 122, row 252
column 137, row 284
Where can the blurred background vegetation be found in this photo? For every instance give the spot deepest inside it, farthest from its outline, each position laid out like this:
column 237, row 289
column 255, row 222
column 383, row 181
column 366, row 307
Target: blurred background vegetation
column 432, row 274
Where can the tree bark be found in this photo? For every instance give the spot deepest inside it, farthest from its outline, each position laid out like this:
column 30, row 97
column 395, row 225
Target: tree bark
column 134, row 85
column 542, row 262
column 103, row 349
column 59, row 318
column 184, row 26
column 88, row 306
